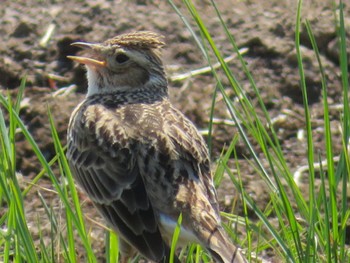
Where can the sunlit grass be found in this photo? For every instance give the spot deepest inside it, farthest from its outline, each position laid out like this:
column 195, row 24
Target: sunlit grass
column 17, row 239
column 311, row 228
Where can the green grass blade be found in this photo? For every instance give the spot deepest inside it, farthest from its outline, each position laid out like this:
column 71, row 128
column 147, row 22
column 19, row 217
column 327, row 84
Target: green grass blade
column 24, row 237
column 73, row 215
column 328, row 146
column 326, row 224
column 20, row 93
column 310, row 148
column 77, row 219
column 288, row 254
column 112, row 247
column 175, row 238
column 55, row 230
column 346, row 126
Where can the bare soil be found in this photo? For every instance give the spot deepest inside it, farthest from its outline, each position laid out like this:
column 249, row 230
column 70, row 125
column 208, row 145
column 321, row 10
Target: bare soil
column 266, row 28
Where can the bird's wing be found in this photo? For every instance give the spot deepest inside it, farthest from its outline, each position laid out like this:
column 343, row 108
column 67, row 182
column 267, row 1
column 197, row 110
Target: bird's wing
column 196, row 188
column 103, row 161
column 193, row 153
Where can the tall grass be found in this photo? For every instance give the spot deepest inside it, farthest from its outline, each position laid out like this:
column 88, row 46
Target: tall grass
column 318, row 233
column 18, row 243
column 308, row 229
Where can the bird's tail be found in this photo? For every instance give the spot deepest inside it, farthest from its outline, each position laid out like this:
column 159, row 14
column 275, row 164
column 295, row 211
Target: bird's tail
column 223, row 250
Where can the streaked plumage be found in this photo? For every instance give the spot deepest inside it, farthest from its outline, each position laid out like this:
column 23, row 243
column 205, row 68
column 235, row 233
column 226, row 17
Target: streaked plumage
column 140, row 160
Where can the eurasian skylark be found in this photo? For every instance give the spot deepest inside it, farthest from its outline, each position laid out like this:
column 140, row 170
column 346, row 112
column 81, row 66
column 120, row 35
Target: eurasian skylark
column 140, row 160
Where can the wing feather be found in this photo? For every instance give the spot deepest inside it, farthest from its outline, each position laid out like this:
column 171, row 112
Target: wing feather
column 125, row 167
column 108, row 172
column 192, row 148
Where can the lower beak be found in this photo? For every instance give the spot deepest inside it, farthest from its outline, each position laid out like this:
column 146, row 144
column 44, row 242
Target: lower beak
column 85, row 60
column 88, row 61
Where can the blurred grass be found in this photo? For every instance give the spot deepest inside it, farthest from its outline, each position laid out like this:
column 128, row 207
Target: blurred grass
column 308, row 229
column 19, row 243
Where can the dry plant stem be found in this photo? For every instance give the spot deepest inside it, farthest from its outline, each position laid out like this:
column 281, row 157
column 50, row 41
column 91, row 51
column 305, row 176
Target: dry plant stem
column 205, row 70
column 48, row 34
column 64, row 91
column 298, row 173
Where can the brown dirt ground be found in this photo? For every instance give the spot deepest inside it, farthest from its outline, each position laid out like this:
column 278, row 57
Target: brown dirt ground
column 266, row 28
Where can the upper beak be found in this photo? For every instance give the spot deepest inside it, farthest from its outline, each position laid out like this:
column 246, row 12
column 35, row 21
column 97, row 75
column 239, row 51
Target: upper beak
column 85, row 60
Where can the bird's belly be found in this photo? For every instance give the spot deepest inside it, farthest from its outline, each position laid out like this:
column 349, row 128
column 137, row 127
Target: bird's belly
column 167, row 227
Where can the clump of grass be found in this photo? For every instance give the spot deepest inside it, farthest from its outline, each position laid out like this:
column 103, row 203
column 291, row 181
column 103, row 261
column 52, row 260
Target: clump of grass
column 317, row 234
column 16, row 239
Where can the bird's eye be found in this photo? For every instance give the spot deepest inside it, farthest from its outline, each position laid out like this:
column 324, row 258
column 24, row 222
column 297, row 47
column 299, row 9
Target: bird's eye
column 121, row 58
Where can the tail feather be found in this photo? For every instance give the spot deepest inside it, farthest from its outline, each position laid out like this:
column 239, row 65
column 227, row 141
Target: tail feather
column 229, row 254
column 222, row 250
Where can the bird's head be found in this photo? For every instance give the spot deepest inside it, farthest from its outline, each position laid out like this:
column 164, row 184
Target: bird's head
column 124, row 63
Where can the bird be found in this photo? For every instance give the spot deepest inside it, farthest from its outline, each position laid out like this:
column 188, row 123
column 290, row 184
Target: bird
column 138, row 158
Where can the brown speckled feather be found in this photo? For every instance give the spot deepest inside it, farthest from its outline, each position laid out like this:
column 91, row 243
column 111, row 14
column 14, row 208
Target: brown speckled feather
column 103, row 156
column 138, row 39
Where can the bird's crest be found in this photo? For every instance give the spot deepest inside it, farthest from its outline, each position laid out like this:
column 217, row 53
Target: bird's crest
column 138, row 39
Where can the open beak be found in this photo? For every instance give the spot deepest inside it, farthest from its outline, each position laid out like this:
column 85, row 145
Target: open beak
column 85, row 60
